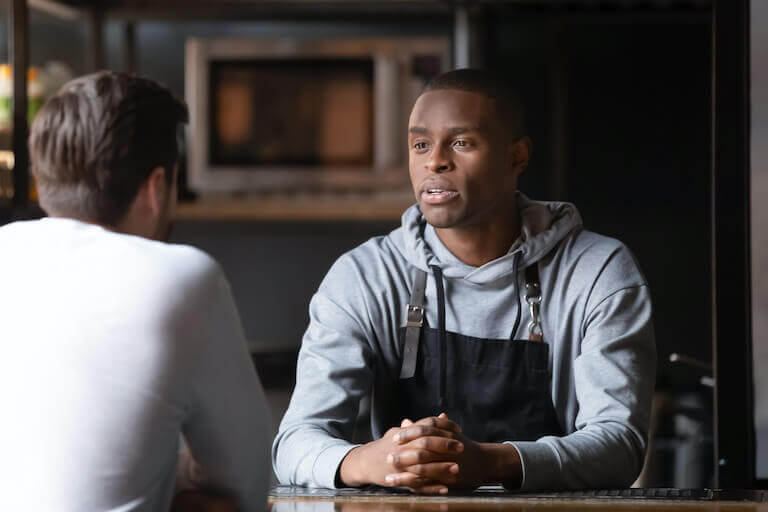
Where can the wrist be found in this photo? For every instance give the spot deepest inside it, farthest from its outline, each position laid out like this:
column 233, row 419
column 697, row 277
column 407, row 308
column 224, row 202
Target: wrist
column 351, row 470
column 503, row 465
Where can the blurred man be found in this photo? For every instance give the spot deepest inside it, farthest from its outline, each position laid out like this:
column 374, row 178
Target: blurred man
column 495, row 339
column 115, row 342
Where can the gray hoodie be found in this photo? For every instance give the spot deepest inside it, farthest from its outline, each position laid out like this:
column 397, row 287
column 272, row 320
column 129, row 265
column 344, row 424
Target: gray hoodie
column 596, row 316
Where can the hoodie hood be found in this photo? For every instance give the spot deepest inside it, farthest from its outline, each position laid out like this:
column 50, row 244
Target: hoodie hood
column 543, row 226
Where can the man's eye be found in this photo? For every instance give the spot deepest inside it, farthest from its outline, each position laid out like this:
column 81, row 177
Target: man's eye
column 420, row 145
column 460, row 143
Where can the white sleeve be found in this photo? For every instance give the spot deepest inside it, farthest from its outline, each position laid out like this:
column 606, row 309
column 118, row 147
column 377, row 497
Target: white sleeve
column 228, row 426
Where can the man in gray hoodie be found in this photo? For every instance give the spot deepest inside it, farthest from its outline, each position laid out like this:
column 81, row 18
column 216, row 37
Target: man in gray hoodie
column 489, row 339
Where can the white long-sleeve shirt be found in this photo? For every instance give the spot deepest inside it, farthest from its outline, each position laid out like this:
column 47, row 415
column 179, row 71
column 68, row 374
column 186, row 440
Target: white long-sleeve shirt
column 113, row 345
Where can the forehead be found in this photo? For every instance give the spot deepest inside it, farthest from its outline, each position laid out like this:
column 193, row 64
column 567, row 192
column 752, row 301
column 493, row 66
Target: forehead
column 450, row 108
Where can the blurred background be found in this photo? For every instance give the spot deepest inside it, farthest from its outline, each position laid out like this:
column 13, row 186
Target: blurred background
column 296, row 150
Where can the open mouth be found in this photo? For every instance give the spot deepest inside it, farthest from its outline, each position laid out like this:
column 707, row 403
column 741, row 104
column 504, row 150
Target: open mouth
column 438, row 195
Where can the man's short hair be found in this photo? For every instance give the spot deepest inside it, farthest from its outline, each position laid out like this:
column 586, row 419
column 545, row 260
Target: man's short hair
column 98, row 139
column 509, row 105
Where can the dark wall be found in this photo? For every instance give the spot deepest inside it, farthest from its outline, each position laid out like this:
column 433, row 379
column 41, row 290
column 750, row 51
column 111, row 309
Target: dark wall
column 639, row 164
column 619, row 110
column 274, row 268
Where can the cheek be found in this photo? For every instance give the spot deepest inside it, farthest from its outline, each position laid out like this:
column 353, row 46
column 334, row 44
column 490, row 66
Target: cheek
column 480, row 174
column 415, row 168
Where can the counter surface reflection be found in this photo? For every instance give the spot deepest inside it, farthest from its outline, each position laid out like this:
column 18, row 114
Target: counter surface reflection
column 295, row 499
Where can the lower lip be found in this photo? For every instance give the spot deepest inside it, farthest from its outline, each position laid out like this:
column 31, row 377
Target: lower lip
column 439, row 198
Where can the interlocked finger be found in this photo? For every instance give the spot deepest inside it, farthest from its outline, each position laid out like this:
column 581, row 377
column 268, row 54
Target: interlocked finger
column 442, row 472
column 416, row 431
column 440, row 422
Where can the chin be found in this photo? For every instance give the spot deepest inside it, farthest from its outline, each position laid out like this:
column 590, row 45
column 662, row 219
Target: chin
column 444, row 216
column 440, row 221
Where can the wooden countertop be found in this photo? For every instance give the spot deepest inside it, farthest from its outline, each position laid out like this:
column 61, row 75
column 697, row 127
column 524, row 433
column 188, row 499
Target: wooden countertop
column 283, row 499
column 452, row 505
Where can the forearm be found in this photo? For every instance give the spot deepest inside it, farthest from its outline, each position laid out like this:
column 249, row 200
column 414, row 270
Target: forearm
column 334, row 374
column 607, row 455
column 307, row 455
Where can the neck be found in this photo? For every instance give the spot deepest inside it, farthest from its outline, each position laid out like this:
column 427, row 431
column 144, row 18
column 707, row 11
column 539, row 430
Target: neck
column 478, row 244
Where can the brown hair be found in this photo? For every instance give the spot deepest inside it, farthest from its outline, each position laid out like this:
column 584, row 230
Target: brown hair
column 94, row 143
column 510, row 106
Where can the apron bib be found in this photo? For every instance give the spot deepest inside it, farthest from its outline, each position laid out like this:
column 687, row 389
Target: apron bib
column 496, row 390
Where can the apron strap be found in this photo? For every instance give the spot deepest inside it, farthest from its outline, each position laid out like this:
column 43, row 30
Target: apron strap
column 533, row 298
column 414, row 321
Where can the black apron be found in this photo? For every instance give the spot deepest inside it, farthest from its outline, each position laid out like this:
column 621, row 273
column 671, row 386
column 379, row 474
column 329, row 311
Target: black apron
column 496, row 390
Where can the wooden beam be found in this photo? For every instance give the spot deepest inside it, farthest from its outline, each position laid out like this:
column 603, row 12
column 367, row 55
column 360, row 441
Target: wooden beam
column 558, row 62
column 96, row 50
column 19, row 64
column 129, row 47
column 731, row 284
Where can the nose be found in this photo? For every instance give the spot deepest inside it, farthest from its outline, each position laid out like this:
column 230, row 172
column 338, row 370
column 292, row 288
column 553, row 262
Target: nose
column 439, row 160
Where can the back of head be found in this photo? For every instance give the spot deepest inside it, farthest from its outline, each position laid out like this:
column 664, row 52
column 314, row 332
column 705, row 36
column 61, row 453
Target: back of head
column 94, row 143
column 509, row 106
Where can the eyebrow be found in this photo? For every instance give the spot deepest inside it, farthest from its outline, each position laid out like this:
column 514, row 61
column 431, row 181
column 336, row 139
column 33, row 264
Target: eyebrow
column 456, row 130
column 463, row 129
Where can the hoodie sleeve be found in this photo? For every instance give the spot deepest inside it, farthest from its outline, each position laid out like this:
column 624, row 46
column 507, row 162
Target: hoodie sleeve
column 334, row 371
column 614, row 378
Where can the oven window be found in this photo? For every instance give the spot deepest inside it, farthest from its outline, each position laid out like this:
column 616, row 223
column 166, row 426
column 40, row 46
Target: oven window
column 291, row 112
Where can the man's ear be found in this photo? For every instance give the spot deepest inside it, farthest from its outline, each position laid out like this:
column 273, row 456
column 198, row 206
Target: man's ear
column 519, row 154
column 156, row 190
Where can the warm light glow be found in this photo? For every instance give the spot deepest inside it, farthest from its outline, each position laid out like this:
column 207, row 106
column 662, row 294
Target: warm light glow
column 7, row 159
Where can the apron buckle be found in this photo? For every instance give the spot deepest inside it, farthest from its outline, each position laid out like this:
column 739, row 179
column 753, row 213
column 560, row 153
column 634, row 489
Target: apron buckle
column 533, row 298
column 415, row 316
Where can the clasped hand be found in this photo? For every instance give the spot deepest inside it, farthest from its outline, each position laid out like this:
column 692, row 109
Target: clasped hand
column 428, row 456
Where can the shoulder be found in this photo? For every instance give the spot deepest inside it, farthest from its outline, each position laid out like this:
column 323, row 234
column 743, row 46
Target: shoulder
column 187, row 262
column 597, row 265
column 99, row 256
column 365, row 282
column 178, row 261
column 370, row 263
column 176, row 275
column 605, row 256
column 23, row 232
column 17, row 228
column 184, row 289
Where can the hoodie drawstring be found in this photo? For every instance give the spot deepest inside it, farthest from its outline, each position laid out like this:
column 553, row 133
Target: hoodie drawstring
column 441, row 330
